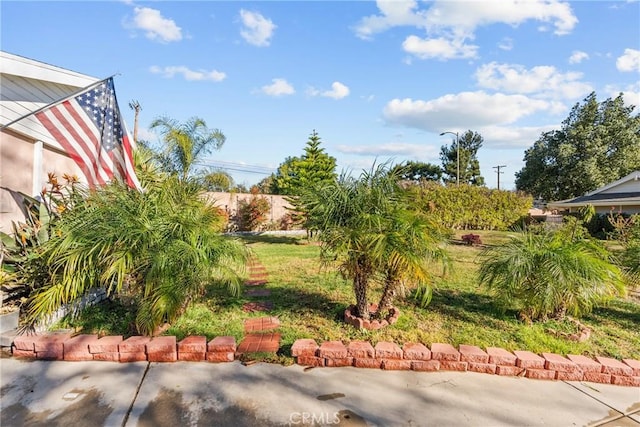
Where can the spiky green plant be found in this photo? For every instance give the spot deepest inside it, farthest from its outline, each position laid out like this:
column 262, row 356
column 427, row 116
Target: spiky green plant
column 547, row 275
column 161, row 246
column 366, row 228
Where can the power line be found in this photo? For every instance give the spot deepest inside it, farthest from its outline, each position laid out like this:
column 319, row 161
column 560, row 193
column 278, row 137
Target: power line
column 498, row 172
column 237, row 167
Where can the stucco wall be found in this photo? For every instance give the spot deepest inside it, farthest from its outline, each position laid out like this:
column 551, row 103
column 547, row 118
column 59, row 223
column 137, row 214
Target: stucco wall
column 229, row 202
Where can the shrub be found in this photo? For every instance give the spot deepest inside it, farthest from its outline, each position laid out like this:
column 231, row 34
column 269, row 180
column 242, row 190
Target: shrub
column 252, row 213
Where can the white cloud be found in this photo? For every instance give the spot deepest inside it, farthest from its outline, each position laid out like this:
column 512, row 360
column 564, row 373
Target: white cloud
column 449, row 23
column 278, row 87
column 466, row 110
column 338, row 91
column 189, row 75
column 577, row 56
column 156, row 27
column 629, row 61
column 388, row 149
column 506, row 43
column 257, row 30
column 440, row 48
column 630, row 94
column 542, row 80
column 512, row 136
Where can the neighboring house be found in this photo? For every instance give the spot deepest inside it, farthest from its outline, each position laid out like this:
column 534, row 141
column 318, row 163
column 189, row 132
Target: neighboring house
column 622, row 195
column 27, row 152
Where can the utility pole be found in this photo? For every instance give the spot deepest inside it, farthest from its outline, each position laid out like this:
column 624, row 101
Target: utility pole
column 457, row 154
column 498, row 172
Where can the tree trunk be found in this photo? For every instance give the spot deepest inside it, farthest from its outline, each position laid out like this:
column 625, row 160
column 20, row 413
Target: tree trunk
column 388, row 295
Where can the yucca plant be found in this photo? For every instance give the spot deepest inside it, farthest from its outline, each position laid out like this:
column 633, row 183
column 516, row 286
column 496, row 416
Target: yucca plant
column 546, row 275
column 161, row 246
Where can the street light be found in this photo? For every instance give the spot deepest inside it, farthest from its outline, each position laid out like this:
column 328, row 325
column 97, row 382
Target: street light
column 457, row 154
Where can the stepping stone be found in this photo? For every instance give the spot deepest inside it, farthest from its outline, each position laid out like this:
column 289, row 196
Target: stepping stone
column 253, row 307
column 257, row 292
column 253, row 343
column 258, row 282
column 261, row 324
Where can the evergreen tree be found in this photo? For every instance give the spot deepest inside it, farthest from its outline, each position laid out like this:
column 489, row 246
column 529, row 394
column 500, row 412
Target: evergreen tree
column 470, row 142
column 417, row 171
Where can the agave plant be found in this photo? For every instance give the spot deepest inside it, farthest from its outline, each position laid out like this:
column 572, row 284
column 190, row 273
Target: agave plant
column 162, row 246
column 548, row 275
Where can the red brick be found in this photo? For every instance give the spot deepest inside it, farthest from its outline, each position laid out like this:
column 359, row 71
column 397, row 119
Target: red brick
column 107, row 356
column 501, row 357
column 79, row 343
column 222, row 344
column 16, row 352
column 453, row 365
column 78, row 356
column 304, row 347
column 585, row 364
column 26, row 342
column 367, row 363
column 540, row 374
column 51, row 343
column 108, row 344
column 441, row 351
column 310, row 361
column 361, row 350
column 528, row 360
column 614, row 366
column 596, row 377
column 633, row 364
column 164, row 344
column 333, row 350
column 188, row 356
column 135, row 344
column 625, row 380
column 54, row 354
column 220, row 356
column 396, row 365
column 416, row 351
column 338, row 363
column 168, row 356
column 509, row 370
column 388, row 350
column 425, row 365
column 132, row 357
column 569, row 376
column 193, row 344
column 472, row 353
column 555, row 362
column 485, row 368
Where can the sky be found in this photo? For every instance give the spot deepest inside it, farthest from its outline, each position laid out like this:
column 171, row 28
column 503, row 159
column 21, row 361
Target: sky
column 378, row 81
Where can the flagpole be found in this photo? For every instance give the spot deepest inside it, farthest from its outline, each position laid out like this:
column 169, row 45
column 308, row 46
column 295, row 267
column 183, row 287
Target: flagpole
column 54, row 103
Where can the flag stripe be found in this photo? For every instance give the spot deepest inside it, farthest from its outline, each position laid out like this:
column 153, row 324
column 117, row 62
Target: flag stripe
column 89, row 127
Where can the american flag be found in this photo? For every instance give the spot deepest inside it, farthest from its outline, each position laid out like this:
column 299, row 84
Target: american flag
column 91, row 130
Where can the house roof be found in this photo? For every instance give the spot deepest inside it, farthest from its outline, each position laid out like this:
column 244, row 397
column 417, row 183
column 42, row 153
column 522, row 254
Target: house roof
column 623, row 192
column 27, row 85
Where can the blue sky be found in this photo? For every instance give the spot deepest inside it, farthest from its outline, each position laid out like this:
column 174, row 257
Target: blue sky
column 377, row 80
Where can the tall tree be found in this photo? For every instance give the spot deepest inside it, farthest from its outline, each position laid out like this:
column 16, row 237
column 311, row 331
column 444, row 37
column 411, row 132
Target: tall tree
column 185, row 143
column 597, row 144
column 470, row 142
column 217, row 180
column 314, row 167
column 417, row 171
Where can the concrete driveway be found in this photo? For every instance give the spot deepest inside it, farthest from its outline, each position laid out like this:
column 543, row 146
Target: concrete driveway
column 41, row 393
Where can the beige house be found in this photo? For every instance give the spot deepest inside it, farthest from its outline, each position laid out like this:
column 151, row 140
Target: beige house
column 27, row 151
column 622, row 195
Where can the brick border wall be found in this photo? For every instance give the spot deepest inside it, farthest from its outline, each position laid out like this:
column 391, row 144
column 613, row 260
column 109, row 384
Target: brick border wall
column 359, row 354
column 445, row 357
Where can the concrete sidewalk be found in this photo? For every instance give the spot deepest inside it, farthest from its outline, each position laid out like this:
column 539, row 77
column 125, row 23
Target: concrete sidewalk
column 69, row 394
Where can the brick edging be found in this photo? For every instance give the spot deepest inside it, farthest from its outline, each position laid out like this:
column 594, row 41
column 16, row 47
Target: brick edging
column 445, row 357
column 360, row 354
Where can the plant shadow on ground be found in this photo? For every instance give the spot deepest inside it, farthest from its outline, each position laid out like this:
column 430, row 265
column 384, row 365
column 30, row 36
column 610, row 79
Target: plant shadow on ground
column 273, row 239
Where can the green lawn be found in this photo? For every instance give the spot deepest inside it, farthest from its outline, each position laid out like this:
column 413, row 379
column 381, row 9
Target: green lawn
column 309, row 301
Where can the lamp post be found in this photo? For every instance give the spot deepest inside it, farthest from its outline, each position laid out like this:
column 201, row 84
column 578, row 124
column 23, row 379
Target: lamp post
column 457, row 154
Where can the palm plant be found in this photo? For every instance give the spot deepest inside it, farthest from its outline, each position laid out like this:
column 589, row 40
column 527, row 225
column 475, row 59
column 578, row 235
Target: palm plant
column 548, row 275
column 161, row 246
column 185, row 143
column 365, row 227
